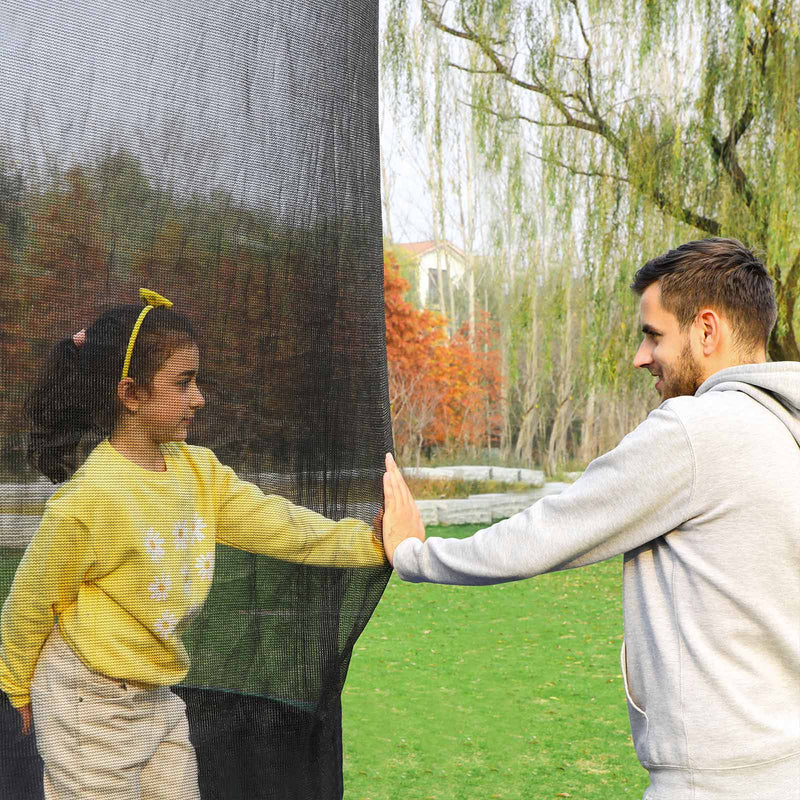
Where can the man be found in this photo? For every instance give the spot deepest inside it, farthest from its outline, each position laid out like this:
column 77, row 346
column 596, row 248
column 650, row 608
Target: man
column 703, row 498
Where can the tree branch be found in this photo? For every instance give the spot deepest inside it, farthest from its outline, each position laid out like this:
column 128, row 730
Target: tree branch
column 725, row 152
column 587, row 65
column 786, row 296
column 769, row 26
column 503, row 71
column 515, row 117
column 595, row 123
column 683, row 214
column 576, row 171
column 725, row 149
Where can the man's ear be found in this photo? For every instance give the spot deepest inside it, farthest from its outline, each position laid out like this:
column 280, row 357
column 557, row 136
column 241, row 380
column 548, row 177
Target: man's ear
column 129, row 394
column 710, row 329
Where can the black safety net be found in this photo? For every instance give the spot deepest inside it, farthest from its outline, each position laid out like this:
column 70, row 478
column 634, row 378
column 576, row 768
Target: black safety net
column 225, row 156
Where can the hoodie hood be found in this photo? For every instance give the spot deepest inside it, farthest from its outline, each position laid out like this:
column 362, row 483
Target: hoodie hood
column 775, row 385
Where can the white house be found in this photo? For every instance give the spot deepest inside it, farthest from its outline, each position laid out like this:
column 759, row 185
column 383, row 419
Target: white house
column 431, row 257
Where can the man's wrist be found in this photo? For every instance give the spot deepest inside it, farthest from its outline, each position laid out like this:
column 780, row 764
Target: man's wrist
column 397, row 547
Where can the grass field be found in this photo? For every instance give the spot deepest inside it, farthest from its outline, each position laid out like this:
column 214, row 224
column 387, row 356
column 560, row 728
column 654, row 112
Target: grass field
column 509, row 691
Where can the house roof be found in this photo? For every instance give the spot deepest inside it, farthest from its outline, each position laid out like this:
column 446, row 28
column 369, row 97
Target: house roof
column 419, row 249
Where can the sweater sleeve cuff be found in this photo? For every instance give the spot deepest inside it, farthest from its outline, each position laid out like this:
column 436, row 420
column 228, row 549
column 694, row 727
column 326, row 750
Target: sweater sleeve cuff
column 17, row 694
column 18, row 700
column 406, row 560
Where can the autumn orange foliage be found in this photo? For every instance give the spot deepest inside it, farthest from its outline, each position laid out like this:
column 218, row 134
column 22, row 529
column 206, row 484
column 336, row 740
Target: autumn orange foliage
column 15, row 349
column 443, row 391
column 67, row 252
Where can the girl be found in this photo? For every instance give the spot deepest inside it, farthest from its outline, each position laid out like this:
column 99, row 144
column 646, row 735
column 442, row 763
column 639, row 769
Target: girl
column 90, row 634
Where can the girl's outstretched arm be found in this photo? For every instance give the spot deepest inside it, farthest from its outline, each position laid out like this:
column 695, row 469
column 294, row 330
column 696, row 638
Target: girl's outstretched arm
column 271, row 525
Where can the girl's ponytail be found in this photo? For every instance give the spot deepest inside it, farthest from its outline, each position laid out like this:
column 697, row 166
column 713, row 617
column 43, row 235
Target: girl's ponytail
column 76, row 392
column 57, row 409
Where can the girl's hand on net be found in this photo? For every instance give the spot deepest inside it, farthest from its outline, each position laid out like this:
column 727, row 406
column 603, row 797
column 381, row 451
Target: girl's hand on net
column 27, row 716
column 401, row 519
column 377, row 526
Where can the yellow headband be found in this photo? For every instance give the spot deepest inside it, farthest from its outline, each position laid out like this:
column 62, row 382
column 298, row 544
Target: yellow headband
column 153, row 299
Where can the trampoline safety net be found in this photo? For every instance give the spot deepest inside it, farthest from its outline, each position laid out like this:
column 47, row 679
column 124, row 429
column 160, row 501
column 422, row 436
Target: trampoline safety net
column 224, row 156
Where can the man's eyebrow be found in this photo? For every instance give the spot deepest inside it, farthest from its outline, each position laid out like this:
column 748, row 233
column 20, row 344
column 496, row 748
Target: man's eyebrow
column 188, row 373
column 650, row 330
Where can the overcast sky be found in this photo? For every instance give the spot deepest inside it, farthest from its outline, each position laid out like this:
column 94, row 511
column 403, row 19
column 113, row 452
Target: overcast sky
column 200, row 91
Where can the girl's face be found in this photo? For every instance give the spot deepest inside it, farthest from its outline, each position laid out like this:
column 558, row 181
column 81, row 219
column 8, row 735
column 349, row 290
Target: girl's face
column 174, row 397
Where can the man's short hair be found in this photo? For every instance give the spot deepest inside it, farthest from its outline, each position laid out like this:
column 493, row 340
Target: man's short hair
column 716, row 273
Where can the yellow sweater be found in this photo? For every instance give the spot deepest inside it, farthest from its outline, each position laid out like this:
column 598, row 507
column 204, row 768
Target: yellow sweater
column 124, row 556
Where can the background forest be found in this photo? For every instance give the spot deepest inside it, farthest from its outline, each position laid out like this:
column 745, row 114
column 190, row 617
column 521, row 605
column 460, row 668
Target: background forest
column 104, row 229
column 561, row 144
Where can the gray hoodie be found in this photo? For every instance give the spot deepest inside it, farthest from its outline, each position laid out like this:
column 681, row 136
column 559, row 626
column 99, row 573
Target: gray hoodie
column 703, row 498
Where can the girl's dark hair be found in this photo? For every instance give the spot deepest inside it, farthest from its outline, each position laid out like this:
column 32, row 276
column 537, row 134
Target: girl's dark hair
column 76, row 392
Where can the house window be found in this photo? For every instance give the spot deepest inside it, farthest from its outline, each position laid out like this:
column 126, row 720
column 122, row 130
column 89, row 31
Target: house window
column 433, row 283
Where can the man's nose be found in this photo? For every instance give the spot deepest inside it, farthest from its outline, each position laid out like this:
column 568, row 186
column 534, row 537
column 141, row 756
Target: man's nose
column 643, row 356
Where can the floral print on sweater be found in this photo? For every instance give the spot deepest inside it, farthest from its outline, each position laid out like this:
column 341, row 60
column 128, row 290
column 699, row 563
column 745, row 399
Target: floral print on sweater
column 183, row 570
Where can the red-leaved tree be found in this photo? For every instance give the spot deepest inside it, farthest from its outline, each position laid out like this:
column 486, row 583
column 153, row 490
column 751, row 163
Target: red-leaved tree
column 443, row 392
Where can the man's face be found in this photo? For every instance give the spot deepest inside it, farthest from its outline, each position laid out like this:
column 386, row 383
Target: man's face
column 665, row 351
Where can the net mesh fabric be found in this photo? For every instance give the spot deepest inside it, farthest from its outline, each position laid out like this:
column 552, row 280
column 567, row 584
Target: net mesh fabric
column 226, row 156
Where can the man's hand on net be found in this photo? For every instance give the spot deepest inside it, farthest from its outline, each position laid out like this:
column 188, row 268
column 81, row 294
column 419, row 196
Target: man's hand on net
column 401, row 518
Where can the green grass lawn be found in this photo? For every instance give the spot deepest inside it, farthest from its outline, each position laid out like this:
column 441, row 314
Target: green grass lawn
column 509, row 691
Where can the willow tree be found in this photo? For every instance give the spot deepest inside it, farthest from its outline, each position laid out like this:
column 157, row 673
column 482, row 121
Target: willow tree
column 690, row 109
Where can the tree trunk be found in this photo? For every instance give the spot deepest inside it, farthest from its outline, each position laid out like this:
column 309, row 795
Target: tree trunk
column 452, row 311
column 783, row 347
column 434, row 180
column 783, row 341
column 469, row 240
column 556, row 446
column 588, row 448
column 530, row 397
column 505, row 406
column 440, row 276
column 386, row 197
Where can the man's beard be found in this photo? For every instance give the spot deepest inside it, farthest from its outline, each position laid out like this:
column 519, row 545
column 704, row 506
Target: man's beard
column 684, row 378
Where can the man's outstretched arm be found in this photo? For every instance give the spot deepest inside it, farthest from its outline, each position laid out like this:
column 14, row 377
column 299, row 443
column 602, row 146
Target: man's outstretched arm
column 642, row 489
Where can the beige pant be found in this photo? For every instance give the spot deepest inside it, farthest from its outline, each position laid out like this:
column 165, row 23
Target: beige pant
column 104, row 739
